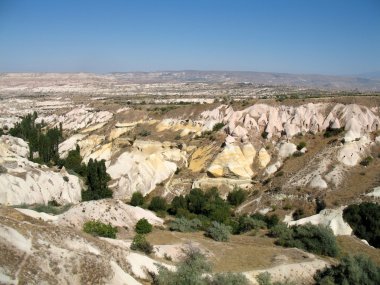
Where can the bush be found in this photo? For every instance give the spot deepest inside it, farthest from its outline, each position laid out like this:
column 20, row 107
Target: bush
column 237, row 196
column 143, row 226
column 218, row 232
column 137, row 199
column 316, row 239
column 217, row 127
column 280, row 230
column 185, row 225
column 141, row 244
column 178, row 202
column 3, row 169
column 248, row 223
column 366, row 161
column 157, row 204
column 228, row 279
column 332, row 132
column 144, row 133
column 194, row 269
column 97, row 228
column 265, row 278
column 298, row 214
column 364, row 220
column 189, row 271
column 351, row 270
column 301, row 145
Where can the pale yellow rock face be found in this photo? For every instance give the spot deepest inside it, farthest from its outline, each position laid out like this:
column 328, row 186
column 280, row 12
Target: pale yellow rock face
column 186, row 128
column 264, row 158
column 201, row 157
column 233, row 162
column 117, row 132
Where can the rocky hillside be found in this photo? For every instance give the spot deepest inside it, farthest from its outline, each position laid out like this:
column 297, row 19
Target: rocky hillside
column 304, row 161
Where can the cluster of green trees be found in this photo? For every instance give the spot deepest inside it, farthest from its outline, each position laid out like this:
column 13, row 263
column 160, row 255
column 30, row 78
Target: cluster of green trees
column 41, row 139
column 364, row 220
column 313, row 238
column 97, row 180
column 351, row 270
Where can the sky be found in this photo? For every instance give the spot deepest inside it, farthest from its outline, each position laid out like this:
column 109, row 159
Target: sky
column 338, row 37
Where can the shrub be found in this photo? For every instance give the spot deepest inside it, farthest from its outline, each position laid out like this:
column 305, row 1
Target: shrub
column 228, row 279
column 265, row 278
column 143, row 226
column 194, row 269
column 137, row 199
column 237, row 196
column 97, row 228
column 332, row 132
column 157, row 204
column 365, row 221
column 316, row 239
column 320, row 204
column 366, row 161
column 301, row 145
column 178, row 202
column 3, row 169
column 141, row 244
column 351, row 270
column 248, row 223
column 218, row 232
column 190, row 270
column 298, row 214
column 280, row 230
column 217, row 127
column 272, row 221
column 185, row 225
column 144, row 133
column 264, row 135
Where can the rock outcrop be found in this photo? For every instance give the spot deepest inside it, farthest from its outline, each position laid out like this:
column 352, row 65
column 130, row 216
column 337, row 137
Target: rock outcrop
column 108, row 211
column 234, row 162
column 146, row 165
column 332, row 218
column 26, row 182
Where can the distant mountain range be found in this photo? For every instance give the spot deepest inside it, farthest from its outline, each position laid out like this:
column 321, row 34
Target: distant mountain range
column 326, row 82
column 369, row 82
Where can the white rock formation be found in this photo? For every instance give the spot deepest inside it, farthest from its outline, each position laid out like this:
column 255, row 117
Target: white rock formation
column 310, row 117
column 148, row 164
column 115, row 212
column 234, row 161
column 26, row 182
column 263, row 158
column 59, row 255
column 286, row 149
column 375, row 193
column 332, row 218
column 78, row 118
column 318, row 182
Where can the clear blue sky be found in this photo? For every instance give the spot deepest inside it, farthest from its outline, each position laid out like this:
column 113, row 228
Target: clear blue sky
column 295, row 36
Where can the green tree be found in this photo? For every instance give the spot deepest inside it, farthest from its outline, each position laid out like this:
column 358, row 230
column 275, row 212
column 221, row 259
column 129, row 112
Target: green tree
column 365, row 221
column 137, row 199
column 157, row 204
column 143, row 226
column 351, row 270
column 97, row 179
column 237, row 196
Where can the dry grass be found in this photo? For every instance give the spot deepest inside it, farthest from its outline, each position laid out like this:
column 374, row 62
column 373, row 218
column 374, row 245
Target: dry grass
column 352, row 245
column 240, row 253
